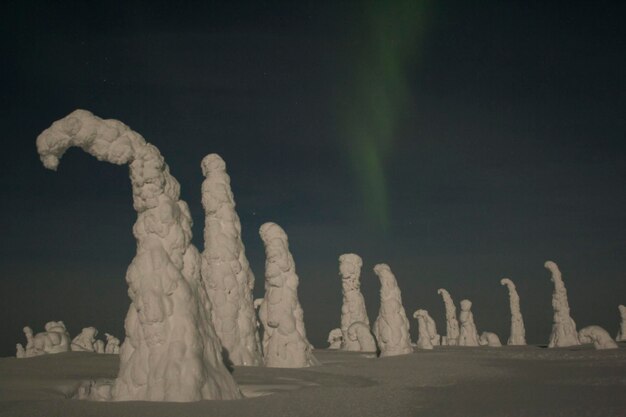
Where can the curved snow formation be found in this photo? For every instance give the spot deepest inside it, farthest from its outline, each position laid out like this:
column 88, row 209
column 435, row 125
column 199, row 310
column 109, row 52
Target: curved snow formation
column 621, row 333
column 112, row 345
column 518, row 332
column 360, row 333
column 563, row 328
column 489, row 339
column 171, row 351
column 353, row 308
column 598, row 336
column 431, row 327
column 391, row 328
column 284, row 338
column 335, row 337
column 452, row 325
column 468, row 335
column 55, row 339
column 424, row 339
column 225, row 269
column 85, row 341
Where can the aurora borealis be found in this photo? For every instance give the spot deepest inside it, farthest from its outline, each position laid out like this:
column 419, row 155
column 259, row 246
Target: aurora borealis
column 387, row 42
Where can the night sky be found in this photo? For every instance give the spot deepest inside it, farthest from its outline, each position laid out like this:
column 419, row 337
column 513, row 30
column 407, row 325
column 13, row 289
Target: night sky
column 459, row 142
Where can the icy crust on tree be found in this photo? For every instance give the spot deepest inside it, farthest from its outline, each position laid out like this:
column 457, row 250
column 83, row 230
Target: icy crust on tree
column 112, row 345
column 429, row 327
column 360, row 333
column 55, row 339
column 598, row 336
column 391, row 328
column 518, row 332
column 171, row 351
column 86, row 341
column 335, row 337
column 468, row 335
column 284, row 338
column 452, row 325
column 563, row 328
column 621, row 333
column 489, row 339
column 353, row 308
column 225, row 269
column 424, row 340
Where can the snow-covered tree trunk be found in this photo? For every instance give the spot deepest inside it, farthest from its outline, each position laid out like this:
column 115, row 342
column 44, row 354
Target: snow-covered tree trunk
column 564, row 328
column 353, row 308
column 468, row 335
column 518, row 332
column 284, row 340
column 452, row 325
column 424, row 338
column 391, row 328
column 171, row 351
column 225, row 268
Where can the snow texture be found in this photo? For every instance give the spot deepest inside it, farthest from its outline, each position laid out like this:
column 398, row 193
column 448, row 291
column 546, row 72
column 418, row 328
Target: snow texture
column 85, row 341
column 98, row 346
column 360, row 333
column 391, row 328
column 621, row 333
column 431, row 326
column 424, row 338
column 598, row 336
column 171, row 351
column 55, row 339
column 517, row 381
column 335, row 337
column 468, row 335
column 518, row 332
column 284, row 338
column 563, row 328
column 353, row 308
column 452, row 325
column 225, row 269
column 489, row 339
column 112, row 345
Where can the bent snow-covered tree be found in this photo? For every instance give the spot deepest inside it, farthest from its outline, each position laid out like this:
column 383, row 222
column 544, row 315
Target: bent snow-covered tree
column 564, row 327
column 518, row 332
column 452, row 324
column 171, row 351
column 225, row 269
column 391, row 327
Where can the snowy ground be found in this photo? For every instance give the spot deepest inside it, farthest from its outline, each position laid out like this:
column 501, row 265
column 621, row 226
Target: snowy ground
column 509, row 381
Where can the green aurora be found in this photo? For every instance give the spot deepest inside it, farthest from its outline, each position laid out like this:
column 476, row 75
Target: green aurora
column 378, row 94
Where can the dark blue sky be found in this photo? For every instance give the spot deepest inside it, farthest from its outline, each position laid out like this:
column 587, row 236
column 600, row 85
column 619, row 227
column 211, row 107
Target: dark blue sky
column 459, row 143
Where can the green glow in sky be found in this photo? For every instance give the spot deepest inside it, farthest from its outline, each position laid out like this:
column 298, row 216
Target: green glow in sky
column 386, row 48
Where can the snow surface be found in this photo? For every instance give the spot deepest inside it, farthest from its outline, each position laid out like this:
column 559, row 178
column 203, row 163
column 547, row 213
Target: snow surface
column 447, row 381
